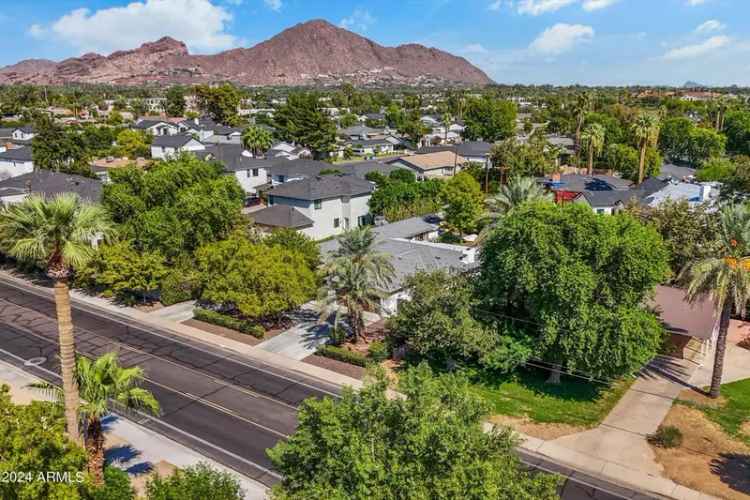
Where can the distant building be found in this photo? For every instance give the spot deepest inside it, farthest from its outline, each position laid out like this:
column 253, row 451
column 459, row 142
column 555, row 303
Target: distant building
column 432, row 165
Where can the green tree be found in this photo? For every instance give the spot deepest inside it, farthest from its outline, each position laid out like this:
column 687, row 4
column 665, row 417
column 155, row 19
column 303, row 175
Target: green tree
column 716, row 169
column 593, row 141
column 430, row 443
column 489, row 119
column 175, row 104
column 198, row 482
column 221, row 102
column 258, row 140
column 518, row 191
column 303, row 121
column 646, row 131
column 258, row 281
column 58, row 149
column 580, row 110
column 297, row 242
column 437, row 322
column 624, row 159
column 737, row 129
column 576, row 283
column 464, row 202
column 133, row 144
column 674, row 138
column 703, row 144
column 101, row 381
column 725, row 277
column 58, row 234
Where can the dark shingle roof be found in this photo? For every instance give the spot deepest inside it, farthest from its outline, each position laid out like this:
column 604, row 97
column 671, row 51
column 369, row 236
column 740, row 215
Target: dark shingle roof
column 17, row 154
column 48, row 184
column 323, row 187
column 146, row 123
column 362, row 168
column 581, row 183
column 231, row 157
column 405, row 228
column 281, row 216
column 302, row 167
column 171, row 141
column 474, row 148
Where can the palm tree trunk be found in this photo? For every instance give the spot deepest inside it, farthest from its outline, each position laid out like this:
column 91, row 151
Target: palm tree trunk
column 591, row 162
column 641, row 164
column 67, row 358
column 721, row 346
column 95, row 451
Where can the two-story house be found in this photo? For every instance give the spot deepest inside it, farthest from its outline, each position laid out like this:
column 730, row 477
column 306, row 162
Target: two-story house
column 15, row 162
column 169, row 146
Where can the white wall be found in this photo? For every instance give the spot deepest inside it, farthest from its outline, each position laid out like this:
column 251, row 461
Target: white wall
column 10, row 168
column 323, row 218
column 161, row 152
column 250, row 182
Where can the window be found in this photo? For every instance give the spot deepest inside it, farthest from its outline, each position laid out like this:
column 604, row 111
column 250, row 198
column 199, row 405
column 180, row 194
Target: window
column 346, row 223
column 247, row 172
column 336, row 222
column 318, row 204
column 270, row 201
column 255, row 172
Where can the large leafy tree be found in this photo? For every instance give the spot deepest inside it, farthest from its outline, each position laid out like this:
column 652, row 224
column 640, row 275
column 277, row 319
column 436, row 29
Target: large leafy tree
column 521, row 160
column 298, row 242
column 255, row 280
column 398, row 198
column 58, row 234
column 703, row 144
column 197, row 482
column 102, row 381
column 302, row 120
column 175, row 103
column 580, row 110
column 57, row 148
column 489, row 119
column 518, row 191
column 592, row 139
column 646, row 131
column 624, row 159
column 674, row 138
column 464, row 202
column 430, row 443
column 737, row 129
column 221, row 103
column 725, row 278
column 133, row 144
column 570, row 286
column 257, row 139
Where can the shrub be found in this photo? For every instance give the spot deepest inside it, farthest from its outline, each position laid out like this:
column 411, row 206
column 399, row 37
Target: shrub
column 116, row 486
column 198, row 482
column 177, row 288
column 241, row 325
column 667, row 436
column 379, row 351
column 345, row 355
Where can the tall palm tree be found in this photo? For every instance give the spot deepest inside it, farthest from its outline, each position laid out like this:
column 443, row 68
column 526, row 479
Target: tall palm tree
column 355, row 278
column 646, row 130
column 593, row 139
column 58, row 233
column 581, row 108
column 102, row 381
column 257, row 139
column 518, row 191
column 447, row 120
column 725, row 278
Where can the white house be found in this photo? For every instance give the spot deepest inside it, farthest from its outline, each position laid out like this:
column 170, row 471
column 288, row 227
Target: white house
column 166, row 146
column 25, row 133
column 156, row 127
column 250, row 172
column 334, row 203
column 15, row 162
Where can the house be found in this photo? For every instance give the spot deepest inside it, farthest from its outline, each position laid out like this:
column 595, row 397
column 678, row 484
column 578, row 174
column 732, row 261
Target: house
column 15, row 162
column 47, row 183
column 362, row 168
column 569, row 187
column 334, row 203
column 23, row 134
column 367, row 147
column 281, row 216
column 289, row 151
column 424, row 228
column 283, row 170
column 250, row 172
column 224, row 134
column 360, row 132
column 435, row 165
column 668, row 189
column 166, row 146
column 676, row 172
column 475, row 151
column 693, row 327
column 156, row 127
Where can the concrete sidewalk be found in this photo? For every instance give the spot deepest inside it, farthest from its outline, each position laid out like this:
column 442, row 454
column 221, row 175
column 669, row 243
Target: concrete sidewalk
column 302, row 339
column 135, row 449
column 182, row 311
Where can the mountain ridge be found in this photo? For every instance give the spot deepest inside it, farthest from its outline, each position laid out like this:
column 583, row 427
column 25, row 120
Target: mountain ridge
column 310, row 53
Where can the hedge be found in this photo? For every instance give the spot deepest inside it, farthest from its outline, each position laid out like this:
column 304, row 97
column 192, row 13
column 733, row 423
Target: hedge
column 345, row 355
column 226, row 321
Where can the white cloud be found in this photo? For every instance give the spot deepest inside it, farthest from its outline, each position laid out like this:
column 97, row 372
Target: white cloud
column 698, row 49
column 590, row 5
column 693, row 3
column 710, row 26
column 37, row 31
column 360, row 20
column 199, row 23
column 495, row 6
column 273, row 4
column 474, row 48
column 537, row 7
column 561, row 37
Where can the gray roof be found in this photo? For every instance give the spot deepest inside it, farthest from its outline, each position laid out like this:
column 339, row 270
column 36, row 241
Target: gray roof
column 171, row 141
column 362, row 168
column 301, row 167
column 474, row 148
column 17, row 154
column 148, row 123
column 609, row 198
column 48, row 184
column 322, row 187
column 676, row 171
column 281, row 216
column 581, row 183
column 360, row 130
column 231, row 157
column 370, row 142
column 6, row 132
column 406, row 228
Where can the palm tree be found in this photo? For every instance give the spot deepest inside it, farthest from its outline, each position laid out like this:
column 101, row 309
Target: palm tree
column 447, row 120
column 518, row 191
column 101, row 381
column 355, row 278
column 646, row 130
column 593, row 139
column 725, row 278
column 59, row 233
column 257, row 139
column 581, row 108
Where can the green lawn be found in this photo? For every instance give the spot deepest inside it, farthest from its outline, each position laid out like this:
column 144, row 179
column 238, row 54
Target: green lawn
column 525, row 393
column 735, row 411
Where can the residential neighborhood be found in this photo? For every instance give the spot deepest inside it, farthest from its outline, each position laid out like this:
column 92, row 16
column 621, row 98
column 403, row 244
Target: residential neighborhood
column 247, row 252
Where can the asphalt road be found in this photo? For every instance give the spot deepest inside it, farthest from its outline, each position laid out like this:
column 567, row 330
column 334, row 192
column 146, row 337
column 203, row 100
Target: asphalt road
column 227, row 407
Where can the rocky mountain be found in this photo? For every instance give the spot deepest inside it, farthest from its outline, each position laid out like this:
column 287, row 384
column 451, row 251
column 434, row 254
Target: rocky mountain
column 312, row 53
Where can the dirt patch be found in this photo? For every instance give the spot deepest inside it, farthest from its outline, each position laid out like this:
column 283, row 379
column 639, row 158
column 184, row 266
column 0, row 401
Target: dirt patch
column 745, row 428
column 336, row 366
column 546, row 431
column 700, row 398
column 223, row 332
column 708, row 460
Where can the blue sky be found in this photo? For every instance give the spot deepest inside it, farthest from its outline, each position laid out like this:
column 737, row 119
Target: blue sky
column 607, row 42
